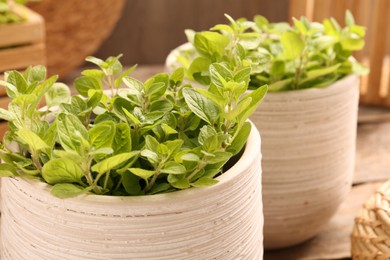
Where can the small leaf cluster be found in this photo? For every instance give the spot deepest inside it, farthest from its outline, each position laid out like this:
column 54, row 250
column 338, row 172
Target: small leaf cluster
column 286, row 57
column 7, row 15
column 135, row 138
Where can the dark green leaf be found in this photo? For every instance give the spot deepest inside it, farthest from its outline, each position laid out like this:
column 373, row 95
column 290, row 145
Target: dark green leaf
column 201, row 106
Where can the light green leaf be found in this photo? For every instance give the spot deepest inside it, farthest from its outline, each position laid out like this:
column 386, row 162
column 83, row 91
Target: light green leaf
column 94, row 60
column 352, row 44
column 199, row 66
column 191, row 157
column 256, row 97
column 178, row 182
column 220, row 157
column 131, row 183
column 6, row 115
column 280, row 85
column 211, row 44
column 134, row 84
column 16, row 79
column 173, row 168
column 144, row 174
column 177, row 76
column 62, row 170
column 151, row 156
column 122, row 139
column 301, row 27
column 113, row 162
column 349, row 20
column 127, row 72
column 84, row 83
column 93, row 73
column 71, row 132
column 102, row 134
column 311, row 74
column 218, row 100
column 204, row 182
column 240, row 140
column 32, row 139
column 205, row 133
column 68, row 190
column 7, row 170
column 219, row 74
column 159, row 188
column 36, row 74
column 243, row 75
column 292, row 44
column 201, row 106
column 95, row 96
column 222, row 28
column 57, row 94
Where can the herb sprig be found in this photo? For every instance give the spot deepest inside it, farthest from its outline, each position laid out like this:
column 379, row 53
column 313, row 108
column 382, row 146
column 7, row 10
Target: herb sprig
column 136, row 138
column 305, row 55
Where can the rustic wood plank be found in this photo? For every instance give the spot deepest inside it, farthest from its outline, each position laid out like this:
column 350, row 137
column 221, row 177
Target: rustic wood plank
column 378, row 50
column 373, row 153
column 22, row 57
column 298, row 8
column 334, row 241
column 322, row 10
column 373, row 114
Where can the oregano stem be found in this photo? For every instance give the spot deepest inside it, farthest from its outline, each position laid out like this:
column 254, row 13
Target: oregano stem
column 200, row 167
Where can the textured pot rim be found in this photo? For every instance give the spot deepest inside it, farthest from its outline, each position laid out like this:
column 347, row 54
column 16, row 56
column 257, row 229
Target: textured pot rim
column 171, row 60
column 225, row 180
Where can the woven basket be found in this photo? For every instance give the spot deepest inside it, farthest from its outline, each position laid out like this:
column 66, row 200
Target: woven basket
column 371, row 232
column 75, row 29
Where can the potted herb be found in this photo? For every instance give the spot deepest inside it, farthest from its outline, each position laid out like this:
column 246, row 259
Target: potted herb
column 307, row 121
column 138, row 172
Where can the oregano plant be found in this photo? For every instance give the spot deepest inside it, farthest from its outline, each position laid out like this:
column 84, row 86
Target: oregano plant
column 121, row 136
column 286, row 57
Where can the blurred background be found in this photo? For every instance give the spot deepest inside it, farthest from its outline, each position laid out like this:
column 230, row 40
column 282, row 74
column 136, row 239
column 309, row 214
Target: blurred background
column 145, row 31
column 149, row 29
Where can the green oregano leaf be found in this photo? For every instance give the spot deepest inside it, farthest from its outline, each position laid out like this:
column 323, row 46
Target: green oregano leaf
column 201, row 106
column 62, row 170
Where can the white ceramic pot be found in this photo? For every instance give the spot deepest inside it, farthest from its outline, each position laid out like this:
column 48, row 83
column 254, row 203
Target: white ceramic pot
column 224, row 221
column 308, row 158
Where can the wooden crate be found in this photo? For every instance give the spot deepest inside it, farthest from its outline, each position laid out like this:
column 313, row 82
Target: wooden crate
column 22, row 44
column 375, row 15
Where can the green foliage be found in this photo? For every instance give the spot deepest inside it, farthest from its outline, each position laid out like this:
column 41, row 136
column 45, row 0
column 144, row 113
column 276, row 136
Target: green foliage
column 286, row 57
column 135, row 138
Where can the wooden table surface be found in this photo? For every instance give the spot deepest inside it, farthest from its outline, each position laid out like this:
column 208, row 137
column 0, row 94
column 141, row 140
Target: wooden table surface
column 372, row 169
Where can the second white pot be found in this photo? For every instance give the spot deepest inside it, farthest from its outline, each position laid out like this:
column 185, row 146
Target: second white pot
column 308, row 158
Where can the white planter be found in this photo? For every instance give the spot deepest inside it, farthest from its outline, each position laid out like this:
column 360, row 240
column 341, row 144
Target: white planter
column 308, row 158
column 224, row 221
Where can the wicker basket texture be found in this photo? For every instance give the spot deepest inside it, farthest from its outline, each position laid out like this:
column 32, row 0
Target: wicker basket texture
column 371, row 232
column 75, row 29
